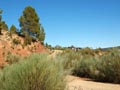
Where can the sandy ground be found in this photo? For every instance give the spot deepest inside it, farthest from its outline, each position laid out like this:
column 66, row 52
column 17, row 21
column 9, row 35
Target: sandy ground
column 54, row 53
column 76, row 83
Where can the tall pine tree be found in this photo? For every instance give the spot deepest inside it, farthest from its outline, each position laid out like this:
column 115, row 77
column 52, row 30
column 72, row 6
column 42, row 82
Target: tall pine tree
column 30, row 25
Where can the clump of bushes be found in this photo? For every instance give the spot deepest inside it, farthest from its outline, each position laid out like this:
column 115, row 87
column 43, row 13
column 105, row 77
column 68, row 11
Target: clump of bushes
column 109, row 67
column 105, row 68
column 85, row 68
column 70, row 57
column 87, row 51
column 35, row 72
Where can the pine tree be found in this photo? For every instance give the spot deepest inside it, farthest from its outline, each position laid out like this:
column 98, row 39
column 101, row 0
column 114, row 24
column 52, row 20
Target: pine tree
column 12, row 29
column 41, row 35
column 0, row 21
column 4, row 26
column 29, row 23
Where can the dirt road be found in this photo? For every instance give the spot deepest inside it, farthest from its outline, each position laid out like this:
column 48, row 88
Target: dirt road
column 55, row 52
column 76, row 83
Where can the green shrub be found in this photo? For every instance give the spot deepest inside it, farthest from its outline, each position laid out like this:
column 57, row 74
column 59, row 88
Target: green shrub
column 87, row 51
column 69, row 59
column 16, row 41
column 109, row 68
column 105, row 68
column 12, row 58
column 85, row 68
column 36, row 72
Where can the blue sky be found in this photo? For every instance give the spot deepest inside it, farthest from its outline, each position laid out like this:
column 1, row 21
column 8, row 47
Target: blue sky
column 93, row 23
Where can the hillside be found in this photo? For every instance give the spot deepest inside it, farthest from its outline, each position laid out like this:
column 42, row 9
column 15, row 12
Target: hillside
column 15, row 45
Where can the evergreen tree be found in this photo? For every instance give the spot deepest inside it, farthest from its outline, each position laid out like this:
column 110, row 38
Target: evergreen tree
column 4, row 26
column 29, row 23
column 0, row 21
column 28, row 39
column 12, row 29
column 41, row 35
column 46, row 45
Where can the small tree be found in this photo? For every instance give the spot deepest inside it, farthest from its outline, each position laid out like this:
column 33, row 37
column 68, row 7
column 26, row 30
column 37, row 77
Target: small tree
column 41, row 35
column 4, row 26
column 0, row 21
column 46, row 45
column 12, row 30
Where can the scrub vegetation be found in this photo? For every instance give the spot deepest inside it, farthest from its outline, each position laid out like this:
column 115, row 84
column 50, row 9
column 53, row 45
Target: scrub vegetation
column 104, row 67
column 35, row 72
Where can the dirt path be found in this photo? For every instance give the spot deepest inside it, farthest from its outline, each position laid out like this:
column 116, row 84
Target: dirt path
column 76, row 83
column 55, row 52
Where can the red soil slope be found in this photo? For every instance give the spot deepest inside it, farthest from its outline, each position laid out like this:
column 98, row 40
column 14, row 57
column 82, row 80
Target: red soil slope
column 7, row 46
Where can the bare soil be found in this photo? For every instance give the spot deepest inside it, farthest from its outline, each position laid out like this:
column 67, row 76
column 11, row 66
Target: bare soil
column 77, row 83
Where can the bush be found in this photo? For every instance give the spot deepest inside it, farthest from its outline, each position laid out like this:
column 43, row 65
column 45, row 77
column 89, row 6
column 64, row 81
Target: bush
column 105, row 68
column 36, row 72
column 87, row 51
column 12, row 58
column 85, row 68
column 109, row 68
column 69, row 59
column 16, row 41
